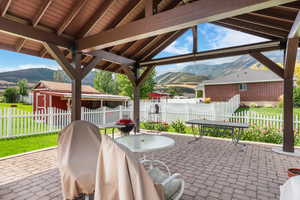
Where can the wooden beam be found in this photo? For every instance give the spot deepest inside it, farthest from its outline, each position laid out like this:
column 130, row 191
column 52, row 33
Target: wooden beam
column 174, row 19
column 4, row 6
column 86, row 69
column 46, row 4
column 71, row 16
column 295, row 30
column 265, row 21
column 289, row 67
column 150, row 7
column 129, row 73
column 144, row 76
column 31, row 33
column 212, row 54
column 20, row 44
column 96, row 17
column 268, row 63
column 111, row 57
column 62, row 61
column 136, row 100
column 195, row 39
column 251, row 32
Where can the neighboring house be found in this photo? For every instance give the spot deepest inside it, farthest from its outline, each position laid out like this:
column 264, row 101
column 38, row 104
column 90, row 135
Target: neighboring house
column 260, row 87
column 55, row 94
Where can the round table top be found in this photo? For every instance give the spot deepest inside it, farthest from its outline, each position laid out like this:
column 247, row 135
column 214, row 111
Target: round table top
column 145, row 142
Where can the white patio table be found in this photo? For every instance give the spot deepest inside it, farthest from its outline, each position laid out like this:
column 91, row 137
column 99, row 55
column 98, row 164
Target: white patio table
column 145, row 143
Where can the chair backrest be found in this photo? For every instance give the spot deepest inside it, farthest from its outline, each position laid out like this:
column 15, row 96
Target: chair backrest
column 121, row 176
column 78, row 148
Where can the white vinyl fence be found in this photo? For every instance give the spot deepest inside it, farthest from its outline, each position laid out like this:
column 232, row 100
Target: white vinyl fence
column 15, row 122
column 169, row 112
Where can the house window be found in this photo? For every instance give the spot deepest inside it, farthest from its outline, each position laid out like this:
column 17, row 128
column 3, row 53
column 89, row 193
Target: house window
column 243, row 87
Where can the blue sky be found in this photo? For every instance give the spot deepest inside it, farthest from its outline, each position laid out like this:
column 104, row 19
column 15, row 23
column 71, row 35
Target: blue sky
column 209, row 37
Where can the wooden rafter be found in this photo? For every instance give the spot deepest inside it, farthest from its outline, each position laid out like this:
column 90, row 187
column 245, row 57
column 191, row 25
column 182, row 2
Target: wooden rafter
column 268, row 63
column 174, row 19
column 279, row 12
column 144, row 76
column 212, row 54
column 86, row 69
column 96, row 17
column 4, row 5
column 195, row 39
column 255, row 27
column 67, row 21
column 20, row 44
column 111, row 57
column 129, row 74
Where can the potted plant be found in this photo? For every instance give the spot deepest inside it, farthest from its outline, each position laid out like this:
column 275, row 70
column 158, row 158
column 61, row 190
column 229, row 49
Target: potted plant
column 128, row 125
column 293, row 172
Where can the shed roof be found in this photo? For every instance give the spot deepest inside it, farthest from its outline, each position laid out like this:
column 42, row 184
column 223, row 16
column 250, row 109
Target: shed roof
column 245, row 76
column 64, row 87
column 71, row 20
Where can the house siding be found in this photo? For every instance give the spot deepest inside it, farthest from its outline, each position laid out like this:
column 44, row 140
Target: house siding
column 264, row 91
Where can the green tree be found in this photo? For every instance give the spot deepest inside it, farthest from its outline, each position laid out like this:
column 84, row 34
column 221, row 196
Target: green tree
column 125, row 87
column 296, row 97
column 23, row 87
column 11, row 95
column 105, row 82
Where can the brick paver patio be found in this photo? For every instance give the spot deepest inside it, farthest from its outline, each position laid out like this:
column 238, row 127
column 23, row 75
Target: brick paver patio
column 212, row 169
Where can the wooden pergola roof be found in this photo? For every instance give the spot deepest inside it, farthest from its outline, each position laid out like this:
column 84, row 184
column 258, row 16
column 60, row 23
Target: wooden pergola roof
column 71, row 21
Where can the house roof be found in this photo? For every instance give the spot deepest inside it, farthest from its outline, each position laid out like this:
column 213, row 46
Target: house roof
column 71, row 20
column 64, row 87
column 244, row 76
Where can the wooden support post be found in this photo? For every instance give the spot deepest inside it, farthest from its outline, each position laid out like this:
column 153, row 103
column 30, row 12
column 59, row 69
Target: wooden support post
column 195, row 39
column 289, row 66
column 136, row 107
column 76, row 100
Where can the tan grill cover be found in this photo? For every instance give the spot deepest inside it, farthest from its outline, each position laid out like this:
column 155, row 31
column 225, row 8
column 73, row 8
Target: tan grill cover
column 78, row 150
column 121, row 177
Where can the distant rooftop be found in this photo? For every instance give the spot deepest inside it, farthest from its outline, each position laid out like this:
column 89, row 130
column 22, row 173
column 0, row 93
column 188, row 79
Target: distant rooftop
column 245, row 76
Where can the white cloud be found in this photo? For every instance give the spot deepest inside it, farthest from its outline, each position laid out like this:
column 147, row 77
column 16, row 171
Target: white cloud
column 175, row 48
column 27, row 66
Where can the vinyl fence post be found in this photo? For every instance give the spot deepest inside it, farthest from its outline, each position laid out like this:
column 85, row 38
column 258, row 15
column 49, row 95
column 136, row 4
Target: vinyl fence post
column 104, row 115
column 50, row 113
column 121, row 113
column 9, row 122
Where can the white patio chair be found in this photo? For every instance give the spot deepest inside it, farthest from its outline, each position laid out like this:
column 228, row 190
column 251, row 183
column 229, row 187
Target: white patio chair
column 173, row 184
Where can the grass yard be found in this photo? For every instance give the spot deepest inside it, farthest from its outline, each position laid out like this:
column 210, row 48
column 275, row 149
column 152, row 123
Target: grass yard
column 18, row 145
column 264, row 110
column 20, row 106
column 25, row 144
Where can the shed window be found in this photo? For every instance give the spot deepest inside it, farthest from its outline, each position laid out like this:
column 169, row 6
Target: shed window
column 243, row 87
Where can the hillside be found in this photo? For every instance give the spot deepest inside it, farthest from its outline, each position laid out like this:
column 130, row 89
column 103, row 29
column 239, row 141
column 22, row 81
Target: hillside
column 34, row 75
column 179, row 78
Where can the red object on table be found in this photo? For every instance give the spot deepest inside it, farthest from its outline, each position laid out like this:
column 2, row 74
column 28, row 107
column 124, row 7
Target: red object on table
column 125, row 121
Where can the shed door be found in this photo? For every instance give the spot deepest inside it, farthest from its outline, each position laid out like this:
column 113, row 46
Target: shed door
column 41, row 102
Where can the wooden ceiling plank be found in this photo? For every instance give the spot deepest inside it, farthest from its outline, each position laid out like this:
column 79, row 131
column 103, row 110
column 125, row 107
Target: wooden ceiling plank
column 212, row 54
column 174, row 19
column 69, row 18
column 268, row 63
column 46, row 4
column 295, row 30
column 95, row 18
column 31, row 33
column 4, row 6
column 257, row 28
column 20, row 44
column 278, row 12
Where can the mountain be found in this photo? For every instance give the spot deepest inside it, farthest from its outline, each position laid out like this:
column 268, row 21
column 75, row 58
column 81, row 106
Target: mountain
column 242, row 62
column 34, row 75
column 179, row 78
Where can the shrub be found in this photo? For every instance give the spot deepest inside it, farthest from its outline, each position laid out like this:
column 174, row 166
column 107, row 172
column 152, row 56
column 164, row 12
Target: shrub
column 207, row 100
column 11, row 95
column 162, row 126
column 149, row 125
column 280, row 103
column 253, row 105
column 178, row 126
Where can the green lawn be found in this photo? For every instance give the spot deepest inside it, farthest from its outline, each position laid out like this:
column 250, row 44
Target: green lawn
column 20, row 106
column 264, row 110
column 25, row 144
column 29, row 143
